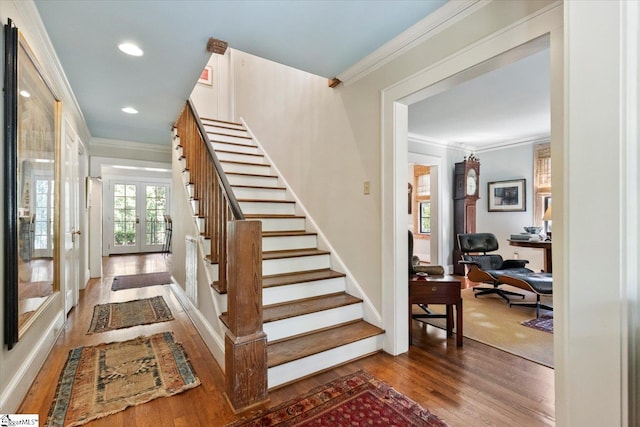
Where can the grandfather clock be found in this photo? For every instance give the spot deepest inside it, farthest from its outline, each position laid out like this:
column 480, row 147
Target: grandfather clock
column 466, row 180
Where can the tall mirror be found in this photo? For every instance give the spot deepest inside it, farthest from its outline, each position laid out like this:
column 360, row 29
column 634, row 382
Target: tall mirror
column 31, row 187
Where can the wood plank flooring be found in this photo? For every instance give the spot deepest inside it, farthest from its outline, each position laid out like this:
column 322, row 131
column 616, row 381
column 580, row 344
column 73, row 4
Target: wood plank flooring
column 475, row 385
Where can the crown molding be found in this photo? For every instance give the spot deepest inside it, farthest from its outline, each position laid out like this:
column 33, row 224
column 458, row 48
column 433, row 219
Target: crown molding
column 118, row 144
column 468, row 148
column 447, row 15
column 48, row 59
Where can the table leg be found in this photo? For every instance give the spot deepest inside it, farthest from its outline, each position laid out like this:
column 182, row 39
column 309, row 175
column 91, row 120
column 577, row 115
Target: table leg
column 449, row 320
column 459, row 323
column 410, row 324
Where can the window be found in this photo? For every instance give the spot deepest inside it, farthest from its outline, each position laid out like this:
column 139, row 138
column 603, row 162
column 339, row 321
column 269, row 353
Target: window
column 541, row 181
column 43, row 224
column 422, row 201
column 425, row 217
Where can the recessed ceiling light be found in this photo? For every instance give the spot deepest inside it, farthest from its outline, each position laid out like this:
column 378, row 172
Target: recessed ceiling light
column 130, row 110
column 25, row 93
column 130, row 49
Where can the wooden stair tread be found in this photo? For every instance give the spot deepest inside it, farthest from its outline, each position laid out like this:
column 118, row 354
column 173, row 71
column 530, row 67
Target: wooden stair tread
column 251, row 174
column 233, row 143
column 222, row 121
column 265, row 201
column 289, row 309
column 295, row 348
column 254, row 216
column 287, row 233
column 299, row 277
column 261, row 187
column 241, row 154
column 245, row 163
column 222, row 126
column 293, row 253
column 229, row 135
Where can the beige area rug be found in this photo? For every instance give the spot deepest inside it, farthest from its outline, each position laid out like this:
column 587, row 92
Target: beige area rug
column 489, row 319
column 118, row 315
column 100, row 380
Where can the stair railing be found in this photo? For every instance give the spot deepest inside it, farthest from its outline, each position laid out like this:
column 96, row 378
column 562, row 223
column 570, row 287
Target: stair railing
column 236, row 246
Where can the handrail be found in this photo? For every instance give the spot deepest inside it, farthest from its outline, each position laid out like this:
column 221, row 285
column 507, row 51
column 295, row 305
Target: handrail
column 231, row 198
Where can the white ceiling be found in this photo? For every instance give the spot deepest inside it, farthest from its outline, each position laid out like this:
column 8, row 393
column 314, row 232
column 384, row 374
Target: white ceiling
column 319, row 36
column 508, row 105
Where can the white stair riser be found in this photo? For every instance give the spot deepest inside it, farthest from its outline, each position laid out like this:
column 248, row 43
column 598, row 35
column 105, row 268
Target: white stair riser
column 212, row 272
column 244, row 168
column 226, row 130
column 248, row 149
column 267, row 208
column 179, row 151
column 260, row 193
column 283, row 224
column 200, row 223
column 278, row 294
column 309, row 322
column 206, row 246
column 195, row 205
column 240, row 157
column 191, row 189
column 257, row 181
column 306, row 366
column 293, row 264
column 284, row 243
column 227, row 138
column 186, row 177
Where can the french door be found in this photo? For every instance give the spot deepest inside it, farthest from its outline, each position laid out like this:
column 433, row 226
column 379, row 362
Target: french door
column 135, row 221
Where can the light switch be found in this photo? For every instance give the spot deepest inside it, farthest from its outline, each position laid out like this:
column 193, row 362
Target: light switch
column 367, row 189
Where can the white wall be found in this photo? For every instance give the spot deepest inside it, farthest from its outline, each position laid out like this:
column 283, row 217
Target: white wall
column 214, row 101
column 500, row 165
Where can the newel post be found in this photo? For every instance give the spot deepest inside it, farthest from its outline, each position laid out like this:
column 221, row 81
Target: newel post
column 245, row 341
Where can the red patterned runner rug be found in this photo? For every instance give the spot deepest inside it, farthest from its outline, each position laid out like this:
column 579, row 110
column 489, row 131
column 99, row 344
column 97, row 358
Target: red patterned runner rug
column 355, row 400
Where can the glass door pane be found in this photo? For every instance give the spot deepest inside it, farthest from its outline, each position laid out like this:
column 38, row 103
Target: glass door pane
column 155, row 209
column 125, row 218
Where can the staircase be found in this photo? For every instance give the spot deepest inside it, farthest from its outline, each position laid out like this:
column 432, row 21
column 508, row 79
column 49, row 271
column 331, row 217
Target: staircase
column 311, row 323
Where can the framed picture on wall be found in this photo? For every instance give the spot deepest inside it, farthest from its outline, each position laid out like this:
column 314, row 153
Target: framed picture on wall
column 206, row 78
column 507, row 196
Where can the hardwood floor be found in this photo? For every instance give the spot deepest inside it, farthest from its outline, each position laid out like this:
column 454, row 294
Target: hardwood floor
column 475, row 385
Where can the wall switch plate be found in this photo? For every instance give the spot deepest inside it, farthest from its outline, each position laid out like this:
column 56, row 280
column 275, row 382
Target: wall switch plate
column 367, row 187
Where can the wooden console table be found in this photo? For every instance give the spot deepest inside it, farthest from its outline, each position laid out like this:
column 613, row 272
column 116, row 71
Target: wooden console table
column 437, row 290
column 548, row 267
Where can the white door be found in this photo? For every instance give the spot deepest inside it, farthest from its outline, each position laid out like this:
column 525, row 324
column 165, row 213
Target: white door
column 135, row 222
column 70, row 187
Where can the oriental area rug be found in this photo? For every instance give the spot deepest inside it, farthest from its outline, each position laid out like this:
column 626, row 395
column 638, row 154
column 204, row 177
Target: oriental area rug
column 118, row 315
column 140, row 280
column 542, row 323
column 100, row 380
column 357, row 399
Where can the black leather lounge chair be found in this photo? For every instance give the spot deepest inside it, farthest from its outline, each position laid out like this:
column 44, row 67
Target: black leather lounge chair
column 539, row 283
column 486, row 268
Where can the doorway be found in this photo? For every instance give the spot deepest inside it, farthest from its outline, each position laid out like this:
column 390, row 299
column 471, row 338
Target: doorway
column 134, row 216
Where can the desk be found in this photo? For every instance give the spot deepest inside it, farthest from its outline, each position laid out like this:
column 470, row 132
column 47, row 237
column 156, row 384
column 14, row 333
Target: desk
column 438, row 290
column 548, row 267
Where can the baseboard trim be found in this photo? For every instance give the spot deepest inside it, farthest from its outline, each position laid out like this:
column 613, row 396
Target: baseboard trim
column 213, row 341
column 17, row 388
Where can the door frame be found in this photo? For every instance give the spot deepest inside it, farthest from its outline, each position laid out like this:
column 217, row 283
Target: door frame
column 395, row 100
